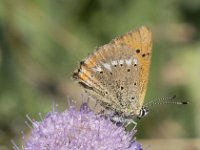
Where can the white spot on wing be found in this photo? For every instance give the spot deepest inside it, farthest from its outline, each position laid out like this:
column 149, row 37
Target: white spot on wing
column 97, row 68
column 82, row 70
column 135, row 61
column 121, row 61
column 128, row 61
column 114, row 62
column 107, row 66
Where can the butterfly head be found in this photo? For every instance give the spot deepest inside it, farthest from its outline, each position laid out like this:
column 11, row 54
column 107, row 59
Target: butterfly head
column 121, row 118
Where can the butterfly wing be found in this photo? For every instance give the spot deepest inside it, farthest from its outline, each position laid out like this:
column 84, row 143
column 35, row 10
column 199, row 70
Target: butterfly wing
column 140, row 40
column 116, row 73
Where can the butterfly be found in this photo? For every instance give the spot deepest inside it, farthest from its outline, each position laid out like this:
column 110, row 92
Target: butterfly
column 116, row 74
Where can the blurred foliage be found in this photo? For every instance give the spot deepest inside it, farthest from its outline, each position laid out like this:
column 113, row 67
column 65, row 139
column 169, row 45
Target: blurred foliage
column 41, row 43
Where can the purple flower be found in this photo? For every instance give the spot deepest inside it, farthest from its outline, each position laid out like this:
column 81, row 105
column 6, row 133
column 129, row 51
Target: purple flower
column 79, row 130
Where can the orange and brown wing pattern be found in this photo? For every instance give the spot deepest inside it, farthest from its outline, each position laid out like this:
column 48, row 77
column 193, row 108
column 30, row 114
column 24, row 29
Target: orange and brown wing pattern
column 116, row 74
column 140, row 41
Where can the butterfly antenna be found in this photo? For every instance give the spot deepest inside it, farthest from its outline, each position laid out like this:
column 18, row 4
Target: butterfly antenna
column 168, row 100
column 160, row 100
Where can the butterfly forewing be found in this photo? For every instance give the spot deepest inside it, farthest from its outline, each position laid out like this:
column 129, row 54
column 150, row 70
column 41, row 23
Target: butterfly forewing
column 141, row 42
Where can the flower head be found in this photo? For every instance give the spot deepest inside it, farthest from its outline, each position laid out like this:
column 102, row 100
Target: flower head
column 81, row 130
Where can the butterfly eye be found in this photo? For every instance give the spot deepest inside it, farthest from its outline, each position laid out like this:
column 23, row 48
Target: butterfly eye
column 143, row 112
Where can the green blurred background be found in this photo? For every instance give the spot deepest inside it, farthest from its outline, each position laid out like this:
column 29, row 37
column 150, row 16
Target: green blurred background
column 42, row 42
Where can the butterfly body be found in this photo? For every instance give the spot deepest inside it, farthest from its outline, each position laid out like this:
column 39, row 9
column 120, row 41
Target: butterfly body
column 116, row 74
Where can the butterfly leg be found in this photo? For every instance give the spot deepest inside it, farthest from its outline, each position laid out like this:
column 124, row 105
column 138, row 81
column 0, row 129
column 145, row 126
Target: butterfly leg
column 131, row 121
column 95, row 105
column 134, row 123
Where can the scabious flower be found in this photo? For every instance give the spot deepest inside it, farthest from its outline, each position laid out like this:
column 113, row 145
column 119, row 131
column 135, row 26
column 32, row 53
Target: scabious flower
column 79, row 130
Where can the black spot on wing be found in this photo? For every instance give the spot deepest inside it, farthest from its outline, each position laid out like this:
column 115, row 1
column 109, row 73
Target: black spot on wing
column 75, row 74
column 137, row 50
